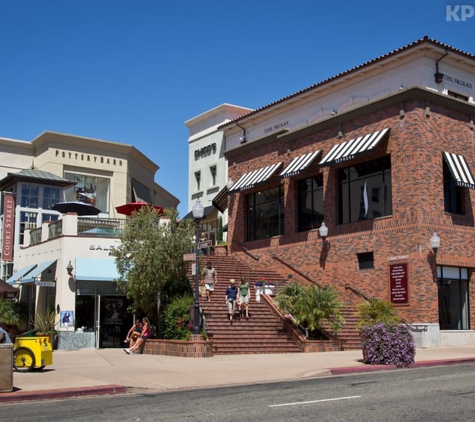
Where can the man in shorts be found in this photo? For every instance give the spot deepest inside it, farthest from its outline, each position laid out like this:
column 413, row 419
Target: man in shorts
column 210, row 278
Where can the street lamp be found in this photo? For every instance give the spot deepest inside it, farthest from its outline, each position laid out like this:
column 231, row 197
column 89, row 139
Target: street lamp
column 435, row 243
column 198, row 211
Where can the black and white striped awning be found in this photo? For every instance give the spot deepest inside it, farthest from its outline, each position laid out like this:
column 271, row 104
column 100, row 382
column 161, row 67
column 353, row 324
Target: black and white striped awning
column 299, row 164
column 459, row 169
column 254, row 178
column 353, row 148
column 220, row 201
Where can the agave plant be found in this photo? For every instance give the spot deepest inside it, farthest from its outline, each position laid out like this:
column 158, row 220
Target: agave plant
column 45, row 322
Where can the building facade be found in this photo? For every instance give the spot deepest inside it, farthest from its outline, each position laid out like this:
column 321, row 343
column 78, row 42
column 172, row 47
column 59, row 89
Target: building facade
column 61, row 262
column 208, row 166
column 383, row 154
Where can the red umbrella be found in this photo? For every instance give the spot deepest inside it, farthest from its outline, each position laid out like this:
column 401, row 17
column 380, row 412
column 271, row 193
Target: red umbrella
column 128, row 209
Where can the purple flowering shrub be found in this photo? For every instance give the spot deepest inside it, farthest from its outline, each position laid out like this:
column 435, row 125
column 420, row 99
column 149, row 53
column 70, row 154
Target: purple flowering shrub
column 388, row 344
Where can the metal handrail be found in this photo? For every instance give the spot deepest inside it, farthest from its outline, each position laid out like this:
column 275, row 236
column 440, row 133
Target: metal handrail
column 291, row 266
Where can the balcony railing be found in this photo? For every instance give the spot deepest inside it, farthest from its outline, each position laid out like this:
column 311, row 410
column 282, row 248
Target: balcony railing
column 104, row 227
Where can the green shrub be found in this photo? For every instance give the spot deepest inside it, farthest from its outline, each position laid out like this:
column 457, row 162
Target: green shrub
column 176, row 319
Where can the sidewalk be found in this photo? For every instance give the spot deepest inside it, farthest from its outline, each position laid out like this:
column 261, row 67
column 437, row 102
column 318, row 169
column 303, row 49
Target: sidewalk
column 111, row 371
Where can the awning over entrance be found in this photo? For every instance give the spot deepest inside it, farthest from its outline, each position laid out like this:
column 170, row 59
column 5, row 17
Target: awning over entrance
column 36, row 272
column 91, row 269
column 459, row 169
column 254, row 178
column 206, row 212
column 353, row 148
column 299, row 164
column 20, row 274
column 220, row 201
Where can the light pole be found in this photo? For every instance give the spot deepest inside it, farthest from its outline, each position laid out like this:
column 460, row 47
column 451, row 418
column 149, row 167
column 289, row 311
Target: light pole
column 197, row 215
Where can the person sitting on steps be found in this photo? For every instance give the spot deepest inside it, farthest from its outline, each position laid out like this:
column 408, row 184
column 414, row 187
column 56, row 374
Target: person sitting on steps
column 144, row 335
column 134, row 333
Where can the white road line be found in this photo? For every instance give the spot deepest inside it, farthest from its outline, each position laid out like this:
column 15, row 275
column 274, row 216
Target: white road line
column 314, row 401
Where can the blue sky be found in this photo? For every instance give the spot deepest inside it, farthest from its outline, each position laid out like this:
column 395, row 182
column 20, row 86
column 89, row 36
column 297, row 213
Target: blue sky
column 135, row 71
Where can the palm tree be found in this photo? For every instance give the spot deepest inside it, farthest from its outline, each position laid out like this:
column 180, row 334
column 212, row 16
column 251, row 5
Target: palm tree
column 311, row 307
column 376, row 310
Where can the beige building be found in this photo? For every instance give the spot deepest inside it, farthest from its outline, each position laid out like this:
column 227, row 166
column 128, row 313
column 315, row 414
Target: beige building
column 38, row 244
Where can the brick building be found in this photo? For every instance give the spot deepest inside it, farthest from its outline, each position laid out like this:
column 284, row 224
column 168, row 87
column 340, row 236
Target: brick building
column 384, row 155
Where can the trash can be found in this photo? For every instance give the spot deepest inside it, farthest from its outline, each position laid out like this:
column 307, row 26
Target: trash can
column 6, row 367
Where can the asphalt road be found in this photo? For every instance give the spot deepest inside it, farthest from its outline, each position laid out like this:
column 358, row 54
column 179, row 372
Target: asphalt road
column 443, row 393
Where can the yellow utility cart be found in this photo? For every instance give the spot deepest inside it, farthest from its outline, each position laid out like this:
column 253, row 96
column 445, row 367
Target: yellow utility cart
column 32, row 351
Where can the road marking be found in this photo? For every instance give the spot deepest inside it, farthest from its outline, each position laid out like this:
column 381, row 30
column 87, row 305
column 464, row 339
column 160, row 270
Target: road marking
column 314, row 401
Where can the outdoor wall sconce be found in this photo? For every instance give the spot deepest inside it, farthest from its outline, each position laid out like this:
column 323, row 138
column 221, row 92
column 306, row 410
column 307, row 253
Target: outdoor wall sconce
column 230, row 184
column 323, row 230
column 70, row 269
column 435, row 243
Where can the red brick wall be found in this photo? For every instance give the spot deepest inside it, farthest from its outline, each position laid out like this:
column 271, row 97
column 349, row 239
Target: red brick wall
column 416, row 143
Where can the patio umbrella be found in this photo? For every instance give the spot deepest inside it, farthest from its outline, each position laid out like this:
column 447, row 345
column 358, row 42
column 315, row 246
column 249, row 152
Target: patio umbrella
column 128, row 209
column 7, row 291
column 80, row 208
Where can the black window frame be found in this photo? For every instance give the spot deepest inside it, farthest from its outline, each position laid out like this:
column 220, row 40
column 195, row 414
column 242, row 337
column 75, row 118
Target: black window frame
column 309, row 216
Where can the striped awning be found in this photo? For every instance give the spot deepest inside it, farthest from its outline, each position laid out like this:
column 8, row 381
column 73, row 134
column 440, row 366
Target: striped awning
column 353, row 148
column 220, row 201
column 254, row 178
column 299, row 164
column 459, row 169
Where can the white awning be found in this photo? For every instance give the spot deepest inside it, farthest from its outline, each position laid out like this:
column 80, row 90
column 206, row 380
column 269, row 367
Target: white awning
column 20, row 274
column 353, row 148
column 459, row 169
column 38, row 271
column 299, row 164
column 254, row 178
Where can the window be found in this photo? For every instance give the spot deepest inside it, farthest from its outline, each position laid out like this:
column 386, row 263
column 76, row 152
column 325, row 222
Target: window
column 453, row 194
column 265, row 214
column 198, row 180
column 364, row 191
column 453, row 298
column 27, row 221
column 310, row 203
column 212, row 170
column 50, row 197
column 89, row 189
column 29, row 195
column 365, row 260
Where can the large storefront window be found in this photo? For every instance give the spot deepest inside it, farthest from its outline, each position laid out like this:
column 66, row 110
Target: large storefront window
column 265, row 214
column 453, row 194
column 310, row 203
column 365, row 191
column 453, row 298
column 90, row 189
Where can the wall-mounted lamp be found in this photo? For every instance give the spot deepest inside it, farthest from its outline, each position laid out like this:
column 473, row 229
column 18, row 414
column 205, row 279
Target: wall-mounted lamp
column 230, row 183
column 435, row 243
column 335, row 111
column 243, row 138
column 70, row 269
column 323, row 231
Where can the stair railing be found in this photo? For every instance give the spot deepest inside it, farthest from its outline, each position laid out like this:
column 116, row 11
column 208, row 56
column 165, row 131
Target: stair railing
column 413, row 327
column 293, row 268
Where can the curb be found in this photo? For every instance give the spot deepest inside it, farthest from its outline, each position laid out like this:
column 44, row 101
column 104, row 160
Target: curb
column 372, row 368
column 99, row 390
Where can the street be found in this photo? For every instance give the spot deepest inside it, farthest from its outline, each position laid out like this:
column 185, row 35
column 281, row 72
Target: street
column 443, row 393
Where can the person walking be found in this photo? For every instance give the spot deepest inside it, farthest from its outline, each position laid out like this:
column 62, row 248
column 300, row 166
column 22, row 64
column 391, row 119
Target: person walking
column 231, row 297
column 244, row 297
column 144, row 335
column 210, row 278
